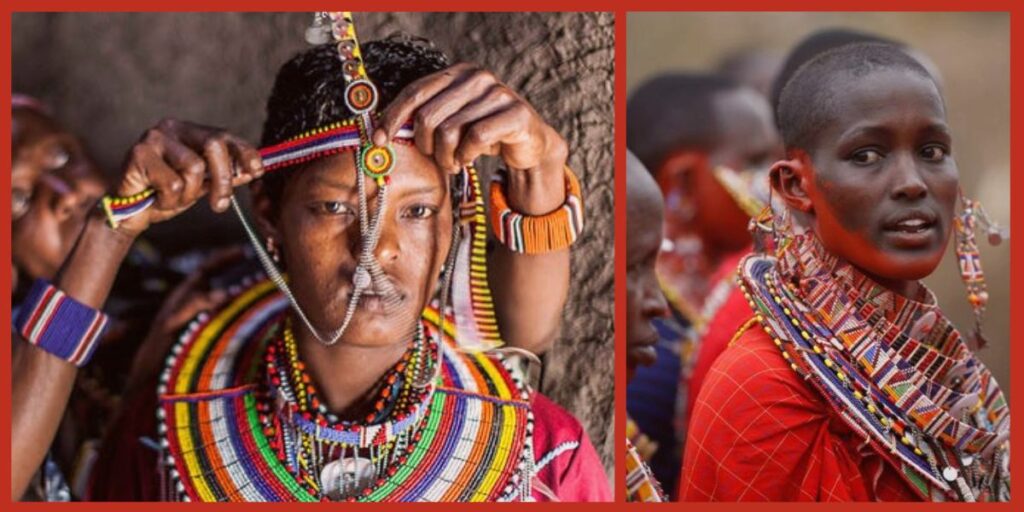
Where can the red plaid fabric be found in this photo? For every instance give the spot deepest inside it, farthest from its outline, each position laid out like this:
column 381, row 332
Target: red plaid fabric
column 719, row 331
column 759, row 433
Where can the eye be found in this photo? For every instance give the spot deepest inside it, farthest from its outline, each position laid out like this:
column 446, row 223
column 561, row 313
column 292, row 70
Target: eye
column 57, row 157
column 420, row 211
column 333, row 208
column 20, row 200
column 866, row 157
column 934, row 153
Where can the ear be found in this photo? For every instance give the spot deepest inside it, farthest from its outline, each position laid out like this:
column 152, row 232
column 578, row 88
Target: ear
column 264, row 212
column 677, row 172
column 790, row 179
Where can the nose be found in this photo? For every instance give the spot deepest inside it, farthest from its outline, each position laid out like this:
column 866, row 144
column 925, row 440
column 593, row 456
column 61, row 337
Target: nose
column 60, row 196
column 907, row 183
column 388, row 245
column 654, row 303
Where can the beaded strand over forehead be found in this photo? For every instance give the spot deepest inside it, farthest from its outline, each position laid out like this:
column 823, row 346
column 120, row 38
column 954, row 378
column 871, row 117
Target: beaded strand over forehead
column 375, row 162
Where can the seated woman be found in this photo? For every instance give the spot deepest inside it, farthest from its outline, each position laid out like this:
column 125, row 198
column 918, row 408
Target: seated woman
column 339, row 381
column 847, row 382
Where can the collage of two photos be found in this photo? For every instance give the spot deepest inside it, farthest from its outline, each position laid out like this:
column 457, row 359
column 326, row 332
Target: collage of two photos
column 406, row 256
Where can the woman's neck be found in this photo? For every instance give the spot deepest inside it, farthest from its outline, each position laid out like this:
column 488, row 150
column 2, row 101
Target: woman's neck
column 344, row 374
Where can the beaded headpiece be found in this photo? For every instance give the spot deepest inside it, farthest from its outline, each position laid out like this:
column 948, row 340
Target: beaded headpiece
column 465, row 268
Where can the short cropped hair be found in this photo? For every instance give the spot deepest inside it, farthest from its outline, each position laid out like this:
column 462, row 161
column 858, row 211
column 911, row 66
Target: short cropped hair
column 808, row 102
column 674, row 111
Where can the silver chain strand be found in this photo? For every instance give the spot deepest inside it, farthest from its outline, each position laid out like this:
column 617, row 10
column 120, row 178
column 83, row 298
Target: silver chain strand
column 367, row 273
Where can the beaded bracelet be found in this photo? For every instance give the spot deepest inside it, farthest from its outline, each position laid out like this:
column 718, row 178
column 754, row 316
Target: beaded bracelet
column 527, row 234
column 58, row 324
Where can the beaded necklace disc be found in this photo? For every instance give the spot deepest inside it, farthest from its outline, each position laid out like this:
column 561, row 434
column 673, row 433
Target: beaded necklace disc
column 473, row 442
column 895, row 370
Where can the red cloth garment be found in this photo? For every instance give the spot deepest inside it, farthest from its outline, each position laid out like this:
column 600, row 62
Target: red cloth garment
column 572, row 468
column 719, row 328
column 759, row 433
column 126, row 468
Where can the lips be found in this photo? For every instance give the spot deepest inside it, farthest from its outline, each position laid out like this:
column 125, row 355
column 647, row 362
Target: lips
column 911, row 229
column 642, row 353
column 380, row 302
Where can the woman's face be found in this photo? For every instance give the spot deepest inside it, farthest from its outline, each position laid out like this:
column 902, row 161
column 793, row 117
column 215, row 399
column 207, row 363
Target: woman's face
column 318, row 223
column 884, row 184
column 54, row 184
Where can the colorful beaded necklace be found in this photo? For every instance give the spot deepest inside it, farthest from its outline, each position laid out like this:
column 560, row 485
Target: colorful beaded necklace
column 227, row 435
column 896, row 370
column 331, row 457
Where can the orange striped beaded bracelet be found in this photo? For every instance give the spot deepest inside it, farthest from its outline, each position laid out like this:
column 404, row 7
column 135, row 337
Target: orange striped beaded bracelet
column 527, row 234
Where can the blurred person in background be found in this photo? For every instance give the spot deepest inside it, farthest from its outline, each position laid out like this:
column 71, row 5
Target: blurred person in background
column 703, row 138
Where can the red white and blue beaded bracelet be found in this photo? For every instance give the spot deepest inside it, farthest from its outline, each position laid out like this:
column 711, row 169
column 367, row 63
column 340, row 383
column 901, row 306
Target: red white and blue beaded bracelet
column 58, row 324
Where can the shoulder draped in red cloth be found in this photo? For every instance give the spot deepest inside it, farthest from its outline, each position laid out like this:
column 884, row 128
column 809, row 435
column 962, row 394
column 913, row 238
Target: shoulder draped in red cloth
column 759, row 433
column 720, row 327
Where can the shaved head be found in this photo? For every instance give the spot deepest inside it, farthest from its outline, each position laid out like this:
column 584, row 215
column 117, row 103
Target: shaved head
column 643, row 197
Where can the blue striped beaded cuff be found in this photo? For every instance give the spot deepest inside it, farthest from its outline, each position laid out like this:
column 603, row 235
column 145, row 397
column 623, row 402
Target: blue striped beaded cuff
column 58, row 324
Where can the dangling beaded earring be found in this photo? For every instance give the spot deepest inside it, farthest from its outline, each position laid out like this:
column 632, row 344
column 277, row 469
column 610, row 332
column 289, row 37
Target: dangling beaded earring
column 971, row 217
column 772, row 231
column 272, row 249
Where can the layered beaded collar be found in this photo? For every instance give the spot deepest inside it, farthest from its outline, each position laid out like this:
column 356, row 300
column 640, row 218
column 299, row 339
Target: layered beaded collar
column 895, row 369
column 224, row 438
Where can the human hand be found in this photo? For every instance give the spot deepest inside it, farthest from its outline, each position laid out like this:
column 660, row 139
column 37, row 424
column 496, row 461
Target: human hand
column 183, row 161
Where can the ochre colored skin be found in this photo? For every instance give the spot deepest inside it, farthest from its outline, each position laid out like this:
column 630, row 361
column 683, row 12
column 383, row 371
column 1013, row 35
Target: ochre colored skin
column 886, row 153
column 644, row 299
column 748, row 141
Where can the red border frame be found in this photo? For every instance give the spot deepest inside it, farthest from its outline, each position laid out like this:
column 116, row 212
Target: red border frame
column 1017, row 161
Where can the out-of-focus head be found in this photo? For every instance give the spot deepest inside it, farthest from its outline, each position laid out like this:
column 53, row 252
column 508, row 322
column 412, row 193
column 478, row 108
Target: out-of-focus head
column 683, row 126
column 54, row 184
column 644, row 299
column 755, row 67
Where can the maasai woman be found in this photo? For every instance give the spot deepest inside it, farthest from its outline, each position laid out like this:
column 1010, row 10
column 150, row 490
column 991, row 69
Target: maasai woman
column 358, row 390
column 848, row 382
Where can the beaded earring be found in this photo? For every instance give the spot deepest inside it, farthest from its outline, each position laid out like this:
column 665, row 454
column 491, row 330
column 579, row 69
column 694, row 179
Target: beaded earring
column 971, row 217
column 771, row 230
column 272, row 249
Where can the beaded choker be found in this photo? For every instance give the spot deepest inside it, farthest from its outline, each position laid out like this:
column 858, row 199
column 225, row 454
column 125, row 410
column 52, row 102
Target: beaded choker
column 896, row 370
column 337, row 458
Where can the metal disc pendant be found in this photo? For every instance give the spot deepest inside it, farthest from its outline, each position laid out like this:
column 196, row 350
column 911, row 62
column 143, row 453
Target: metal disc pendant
column 346, row 477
